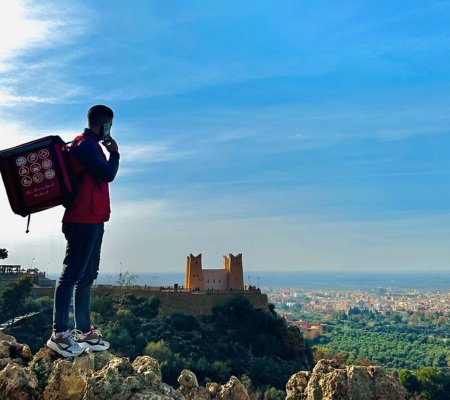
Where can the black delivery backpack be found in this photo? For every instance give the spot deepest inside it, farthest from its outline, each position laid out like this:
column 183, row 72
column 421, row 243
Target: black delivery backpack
column 36, row 175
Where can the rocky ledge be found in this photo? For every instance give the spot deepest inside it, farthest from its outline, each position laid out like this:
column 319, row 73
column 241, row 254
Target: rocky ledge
column 47, row 376
column 96, row 376
column 330, row 381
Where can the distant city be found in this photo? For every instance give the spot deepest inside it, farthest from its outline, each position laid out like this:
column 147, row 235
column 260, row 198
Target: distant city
column 290, row 302
column 379, row 300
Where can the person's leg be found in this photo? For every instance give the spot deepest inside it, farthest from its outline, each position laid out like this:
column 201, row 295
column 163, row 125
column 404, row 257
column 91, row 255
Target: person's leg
column 82, row 298
column 80, row 244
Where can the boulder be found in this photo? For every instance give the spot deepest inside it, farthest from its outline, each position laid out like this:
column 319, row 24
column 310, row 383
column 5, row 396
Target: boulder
column 296, row 385
column 11, row 350
column 187, row 379
column 149, row 370
column 190, row 389
column 42, row 365
column 119, row 379
column 115, row 381
column 330, row 381
column 92, row 361
column 92, row 375
column 233, row 390
column 213, row 388
column 66, row 382
column 18, row 383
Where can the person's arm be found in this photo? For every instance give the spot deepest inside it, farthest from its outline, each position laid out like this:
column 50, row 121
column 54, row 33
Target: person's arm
column 90, row 156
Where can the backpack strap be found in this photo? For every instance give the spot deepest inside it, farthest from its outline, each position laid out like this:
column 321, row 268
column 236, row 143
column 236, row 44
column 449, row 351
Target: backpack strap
column 77, row 168
column 28, row 224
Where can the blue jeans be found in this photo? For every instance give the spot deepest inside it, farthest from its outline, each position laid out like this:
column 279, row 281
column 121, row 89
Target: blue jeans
column 80, row 269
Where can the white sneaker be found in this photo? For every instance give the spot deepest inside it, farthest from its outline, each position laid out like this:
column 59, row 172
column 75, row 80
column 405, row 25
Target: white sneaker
column 91, row 340
column 63, row 343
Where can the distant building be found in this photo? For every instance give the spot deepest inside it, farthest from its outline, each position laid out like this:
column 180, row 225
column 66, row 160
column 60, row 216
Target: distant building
column 12, row 273
column 310, row 330
column 230, row 277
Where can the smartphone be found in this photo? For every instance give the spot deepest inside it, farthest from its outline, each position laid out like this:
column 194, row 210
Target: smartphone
column 106, row 133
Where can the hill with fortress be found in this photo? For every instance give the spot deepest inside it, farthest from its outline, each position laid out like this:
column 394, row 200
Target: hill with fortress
column 203, row 289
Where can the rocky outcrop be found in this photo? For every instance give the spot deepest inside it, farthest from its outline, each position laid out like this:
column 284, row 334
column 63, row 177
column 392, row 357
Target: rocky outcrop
column 47, row 376
column 232, row 390
column 10, row 350
column 17, row 382
column 330, row 381
column 96, row 375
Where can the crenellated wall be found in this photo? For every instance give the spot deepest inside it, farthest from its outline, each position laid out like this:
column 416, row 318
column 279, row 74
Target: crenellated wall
column 184, row 302
column 230, row 277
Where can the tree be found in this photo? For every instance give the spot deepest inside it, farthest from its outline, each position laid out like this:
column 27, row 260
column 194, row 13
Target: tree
column 430, row 382
column 274, row 394
column 125, row 280
column 102, row 305
column 171, row 363
column 12, row 299
column 141, row 306
column 409, row 381
column 222, row 370
column 3, row 254
column 435, row 383
column 159, row 350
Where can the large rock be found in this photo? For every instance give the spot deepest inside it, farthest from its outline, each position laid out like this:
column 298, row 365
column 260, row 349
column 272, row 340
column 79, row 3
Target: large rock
column 233, row 390
column 18, row 383
column 10, row 350
column 66, row 382
column 92, row 361
column 93, row 375
column 189, row 388
column 330, row 381
column 148, row 369
column 188, row 379
column 115, row 381
column 119, row 379
column 296, row 385
column 42, row 365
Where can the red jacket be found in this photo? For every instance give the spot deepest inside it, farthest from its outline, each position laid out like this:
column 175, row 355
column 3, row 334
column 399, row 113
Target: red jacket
column 92, row 170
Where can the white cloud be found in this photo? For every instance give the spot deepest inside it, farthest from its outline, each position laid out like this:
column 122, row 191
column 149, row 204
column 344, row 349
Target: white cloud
column 9, row 99
column 13, row 134
column 27, row 25
column 18, row 30
column 147, row 153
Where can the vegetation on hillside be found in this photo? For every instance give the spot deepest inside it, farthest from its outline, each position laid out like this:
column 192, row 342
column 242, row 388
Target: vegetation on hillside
column 431, row 383
column 416, row 345
column 236, row 339
column 14, row 300
column 254, row 345
column 392, row 340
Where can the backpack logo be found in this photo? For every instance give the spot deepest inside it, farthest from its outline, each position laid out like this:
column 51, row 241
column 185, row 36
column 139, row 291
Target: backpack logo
column 37, row 175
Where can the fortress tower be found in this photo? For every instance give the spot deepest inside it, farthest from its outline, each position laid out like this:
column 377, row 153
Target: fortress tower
column 233, row 264
column 230, row 277
column 194, row 272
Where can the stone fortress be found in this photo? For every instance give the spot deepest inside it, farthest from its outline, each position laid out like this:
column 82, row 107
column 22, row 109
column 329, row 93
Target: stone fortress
column 204, row 288
column 230, row 277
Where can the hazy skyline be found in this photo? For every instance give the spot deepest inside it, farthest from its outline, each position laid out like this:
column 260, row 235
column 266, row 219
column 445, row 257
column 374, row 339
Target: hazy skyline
column 306, row 135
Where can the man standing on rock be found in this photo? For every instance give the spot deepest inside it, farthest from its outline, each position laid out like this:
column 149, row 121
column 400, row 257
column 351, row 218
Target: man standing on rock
column 83, row 227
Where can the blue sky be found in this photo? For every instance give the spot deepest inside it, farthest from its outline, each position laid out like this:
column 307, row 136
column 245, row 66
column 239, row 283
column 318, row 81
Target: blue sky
column 306, row 135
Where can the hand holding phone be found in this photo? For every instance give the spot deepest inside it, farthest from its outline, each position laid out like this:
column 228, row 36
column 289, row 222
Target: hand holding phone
column 106, row 133
column 112, row 146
